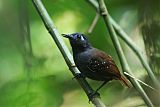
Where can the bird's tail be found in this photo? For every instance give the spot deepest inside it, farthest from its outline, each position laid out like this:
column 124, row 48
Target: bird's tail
column 125, row 81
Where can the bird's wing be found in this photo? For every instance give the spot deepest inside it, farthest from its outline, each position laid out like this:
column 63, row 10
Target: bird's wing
column 103, row 64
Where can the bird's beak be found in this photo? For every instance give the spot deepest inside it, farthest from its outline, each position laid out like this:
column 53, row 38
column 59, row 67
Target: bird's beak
column 67, row 36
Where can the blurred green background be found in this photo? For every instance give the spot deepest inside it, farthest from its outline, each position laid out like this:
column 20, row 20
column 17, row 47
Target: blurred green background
column 33, row 72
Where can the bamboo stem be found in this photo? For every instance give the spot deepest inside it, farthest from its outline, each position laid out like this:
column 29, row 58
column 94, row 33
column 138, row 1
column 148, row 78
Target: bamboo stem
column 124, row 64
column 123, row 35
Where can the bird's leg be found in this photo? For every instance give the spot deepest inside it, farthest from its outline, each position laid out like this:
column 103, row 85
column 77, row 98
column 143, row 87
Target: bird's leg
column 101, row 86
column 92, row 95
column 95, row 93
column 78, row 75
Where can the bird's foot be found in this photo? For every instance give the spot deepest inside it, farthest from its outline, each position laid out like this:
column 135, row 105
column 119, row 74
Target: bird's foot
column 93, row 95
column 78, row 75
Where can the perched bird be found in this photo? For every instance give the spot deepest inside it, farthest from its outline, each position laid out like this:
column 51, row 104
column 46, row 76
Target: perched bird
column 93, row 63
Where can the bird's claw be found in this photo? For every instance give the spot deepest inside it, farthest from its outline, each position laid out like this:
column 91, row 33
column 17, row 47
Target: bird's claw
column 92, row 95
column 78, row 75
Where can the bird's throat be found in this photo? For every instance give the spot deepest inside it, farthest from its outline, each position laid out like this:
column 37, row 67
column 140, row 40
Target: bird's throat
column 81, row 48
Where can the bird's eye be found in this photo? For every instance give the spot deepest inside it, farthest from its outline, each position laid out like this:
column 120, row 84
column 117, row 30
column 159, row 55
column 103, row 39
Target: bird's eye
column 79, row 36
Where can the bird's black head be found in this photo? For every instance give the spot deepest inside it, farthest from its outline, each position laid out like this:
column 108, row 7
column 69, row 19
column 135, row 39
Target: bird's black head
column 78, row 41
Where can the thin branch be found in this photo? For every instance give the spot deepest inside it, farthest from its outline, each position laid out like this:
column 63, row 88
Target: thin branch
column 131, row 76
column 124, row 64
column 130, row 43
column 65, row 52
column 94, row 22
column 137, row 51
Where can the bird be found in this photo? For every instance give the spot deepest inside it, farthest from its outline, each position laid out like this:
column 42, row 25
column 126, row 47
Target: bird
column 92, row 62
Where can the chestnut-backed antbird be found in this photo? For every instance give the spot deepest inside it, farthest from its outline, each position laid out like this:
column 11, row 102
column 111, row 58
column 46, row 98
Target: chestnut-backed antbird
column 93, row 63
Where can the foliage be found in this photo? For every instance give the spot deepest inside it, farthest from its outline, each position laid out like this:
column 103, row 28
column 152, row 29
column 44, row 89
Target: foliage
column 43, row 80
